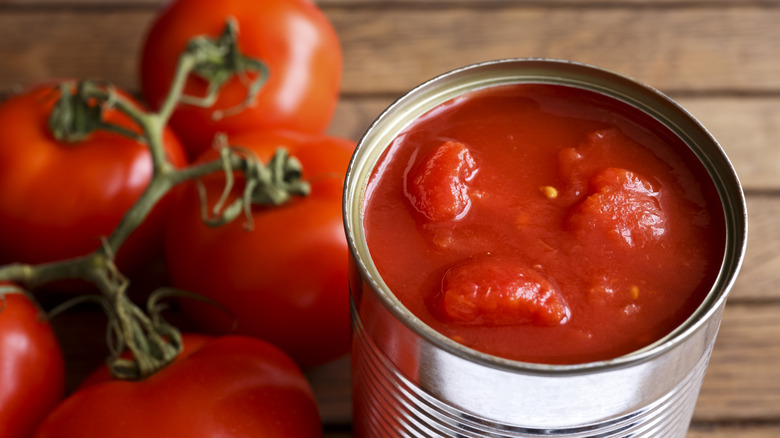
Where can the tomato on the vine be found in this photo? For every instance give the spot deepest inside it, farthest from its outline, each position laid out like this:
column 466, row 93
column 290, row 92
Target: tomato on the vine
column 32, row 369
column 284, row 279
column 58, row 199
column 223, row 387
column 293, row 38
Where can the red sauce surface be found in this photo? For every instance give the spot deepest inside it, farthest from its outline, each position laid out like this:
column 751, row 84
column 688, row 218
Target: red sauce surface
column 544, row 223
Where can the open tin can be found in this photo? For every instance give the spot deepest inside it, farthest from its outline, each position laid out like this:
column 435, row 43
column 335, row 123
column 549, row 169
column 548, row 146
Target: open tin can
column 411, row 381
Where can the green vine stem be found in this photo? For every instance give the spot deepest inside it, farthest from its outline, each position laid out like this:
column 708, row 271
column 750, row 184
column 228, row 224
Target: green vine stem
column 152, row 342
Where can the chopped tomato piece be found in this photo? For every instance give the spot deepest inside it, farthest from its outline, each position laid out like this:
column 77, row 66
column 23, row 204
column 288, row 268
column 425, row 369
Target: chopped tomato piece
column 500, row 292
column 622, row 206
column 438, row 186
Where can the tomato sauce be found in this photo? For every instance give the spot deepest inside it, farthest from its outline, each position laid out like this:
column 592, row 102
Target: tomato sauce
column 544, row 223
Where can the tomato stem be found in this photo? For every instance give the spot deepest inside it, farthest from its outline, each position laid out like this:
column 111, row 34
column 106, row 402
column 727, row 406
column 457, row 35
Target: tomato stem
column 217, row 60
column 79, row 112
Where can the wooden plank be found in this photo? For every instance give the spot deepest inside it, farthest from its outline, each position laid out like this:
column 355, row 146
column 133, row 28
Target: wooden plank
column 719, row 430
column 679, row 49
column 748, row 129
column 332, row 385
column 742, row 382
column 389, row 51
column 760, row 272
column 355, row 114
column 743, row 379
column 67, row 44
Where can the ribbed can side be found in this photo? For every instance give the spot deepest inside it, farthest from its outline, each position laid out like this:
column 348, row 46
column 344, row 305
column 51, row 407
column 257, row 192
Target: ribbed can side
column 388, row 405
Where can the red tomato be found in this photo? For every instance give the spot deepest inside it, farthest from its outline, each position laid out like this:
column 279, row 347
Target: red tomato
column 228, row 387
column 284, row 281
column 192, row 343
column 32, row 370
column 58, row 199
column 292, row 37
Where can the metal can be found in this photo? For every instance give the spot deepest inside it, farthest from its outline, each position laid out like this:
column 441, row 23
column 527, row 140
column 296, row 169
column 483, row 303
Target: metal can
column 411, row 381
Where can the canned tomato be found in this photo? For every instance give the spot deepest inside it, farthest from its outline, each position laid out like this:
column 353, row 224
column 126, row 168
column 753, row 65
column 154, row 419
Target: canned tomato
column 538, row 248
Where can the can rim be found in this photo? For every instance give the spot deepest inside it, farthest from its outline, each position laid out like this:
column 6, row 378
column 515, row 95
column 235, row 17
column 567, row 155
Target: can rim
column 716, row 163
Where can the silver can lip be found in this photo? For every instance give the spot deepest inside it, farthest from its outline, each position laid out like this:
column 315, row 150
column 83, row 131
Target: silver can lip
column 562, row 72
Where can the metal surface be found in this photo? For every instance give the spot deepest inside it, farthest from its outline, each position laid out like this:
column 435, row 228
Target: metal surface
column 411, row 381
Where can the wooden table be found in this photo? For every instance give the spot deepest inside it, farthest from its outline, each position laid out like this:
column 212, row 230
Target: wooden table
column 719, row 58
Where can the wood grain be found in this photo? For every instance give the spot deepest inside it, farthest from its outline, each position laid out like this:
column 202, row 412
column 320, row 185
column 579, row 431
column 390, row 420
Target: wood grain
column 70, row 44
column 760, row 276
column 681, row 49
column 748, row 129
column 733, row 431
column 742, row 382
column 743, row 379
column 700, row 49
